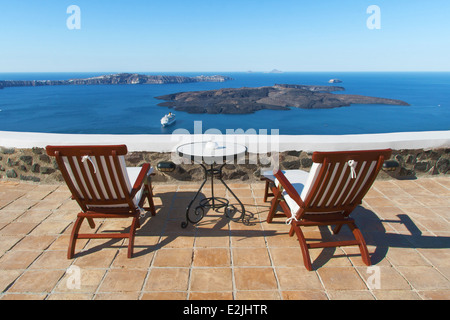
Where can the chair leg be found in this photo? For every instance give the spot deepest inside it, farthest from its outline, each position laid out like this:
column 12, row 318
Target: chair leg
column 73, row 237
column 91, row 223
column 133, row 228
column 303, row 246
column 273, row 208
column 337, row 228
column 362, row 244
column 149, row 191
column 266, row 190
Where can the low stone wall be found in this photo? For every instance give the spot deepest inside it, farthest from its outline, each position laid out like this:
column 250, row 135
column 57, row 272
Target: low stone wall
column 36, row 166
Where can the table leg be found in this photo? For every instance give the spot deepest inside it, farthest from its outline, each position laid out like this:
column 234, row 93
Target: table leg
column 198, row 214
column 240, row 203
column 212, row 185
column 213, row 201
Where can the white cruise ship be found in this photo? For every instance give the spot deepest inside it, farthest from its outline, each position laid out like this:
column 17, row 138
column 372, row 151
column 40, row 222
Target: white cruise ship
column 168, row 119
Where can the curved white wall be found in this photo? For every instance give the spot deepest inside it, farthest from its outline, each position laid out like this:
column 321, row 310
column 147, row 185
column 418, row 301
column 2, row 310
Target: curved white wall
column 255, row 143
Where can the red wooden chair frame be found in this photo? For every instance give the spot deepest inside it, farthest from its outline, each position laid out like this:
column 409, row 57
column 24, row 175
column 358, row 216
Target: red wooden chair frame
column 267, row 188
column 322, row 205
column 101, row 189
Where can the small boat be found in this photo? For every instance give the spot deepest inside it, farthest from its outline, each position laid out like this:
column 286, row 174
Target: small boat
column 168, row 119
column 335, row 81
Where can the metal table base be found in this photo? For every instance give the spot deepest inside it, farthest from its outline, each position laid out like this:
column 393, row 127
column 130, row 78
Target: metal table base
column 212, row 202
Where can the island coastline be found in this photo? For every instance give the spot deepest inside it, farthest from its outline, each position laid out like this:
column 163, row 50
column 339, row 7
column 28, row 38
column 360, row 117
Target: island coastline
column 115, row 79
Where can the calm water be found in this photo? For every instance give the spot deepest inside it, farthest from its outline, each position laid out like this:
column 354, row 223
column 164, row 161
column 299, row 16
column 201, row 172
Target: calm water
column 128, row 109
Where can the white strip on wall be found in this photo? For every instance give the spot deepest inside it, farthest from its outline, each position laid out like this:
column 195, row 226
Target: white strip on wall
column 255, row 143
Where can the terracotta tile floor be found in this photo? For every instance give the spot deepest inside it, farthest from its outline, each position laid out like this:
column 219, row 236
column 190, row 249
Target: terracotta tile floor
column 406, row 225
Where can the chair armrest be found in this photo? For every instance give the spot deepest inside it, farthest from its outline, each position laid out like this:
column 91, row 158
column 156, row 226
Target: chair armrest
column 140, row 179
column 289, row 188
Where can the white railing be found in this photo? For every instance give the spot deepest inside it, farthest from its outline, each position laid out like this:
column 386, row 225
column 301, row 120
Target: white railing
column 255, row 143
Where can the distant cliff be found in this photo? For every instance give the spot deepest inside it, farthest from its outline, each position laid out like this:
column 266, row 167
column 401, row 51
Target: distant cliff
column 113, row 79
column 278, row 97
column 310, row 88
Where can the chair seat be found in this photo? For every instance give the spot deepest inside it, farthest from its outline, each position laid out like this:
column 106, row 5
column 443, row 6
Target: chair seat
column 298, row 179
column 301, row 180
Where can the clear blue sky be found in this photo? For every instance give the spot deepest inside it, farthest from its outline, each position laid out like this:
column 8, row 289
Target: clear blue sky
column 224, row 35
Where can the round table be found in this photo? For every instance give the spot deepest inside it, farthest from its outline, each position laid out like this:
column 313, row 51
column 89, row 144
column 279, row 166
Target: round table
column 212, row 154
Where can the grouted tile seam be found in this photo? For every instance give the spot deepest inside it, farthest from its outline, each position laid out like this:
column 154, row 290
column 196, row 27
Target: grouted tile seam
column 108, row 269
column 157, row 247
column 272, row 265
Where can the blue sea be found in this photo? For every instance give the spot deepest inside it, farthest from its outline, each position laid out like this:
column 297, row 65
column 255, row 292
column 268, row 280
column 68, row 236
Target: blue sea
column 132, row 109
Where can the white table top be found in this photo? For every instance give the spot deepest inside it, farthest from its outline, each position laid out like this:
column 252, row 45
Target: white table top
column 211, row 152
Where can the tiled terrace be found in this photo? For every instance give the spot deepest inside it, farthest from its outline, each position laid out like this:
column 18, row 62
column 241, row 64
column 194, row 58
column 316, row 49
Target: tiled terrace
column 405, row 223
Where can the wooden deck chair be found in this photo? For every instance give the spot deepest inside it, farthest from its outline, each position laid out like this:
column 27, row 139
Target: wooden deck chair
column 327, row 195
column 100, row 182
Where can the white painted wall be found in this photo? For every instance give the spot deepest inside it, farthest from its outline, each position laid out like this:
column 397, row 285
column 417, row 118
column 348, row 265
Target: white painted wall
column 255, row 143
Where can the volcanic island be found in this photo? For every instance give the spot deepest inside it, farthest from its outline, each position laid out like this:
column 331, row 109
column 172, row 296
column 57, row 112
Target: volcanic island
column 277, row 97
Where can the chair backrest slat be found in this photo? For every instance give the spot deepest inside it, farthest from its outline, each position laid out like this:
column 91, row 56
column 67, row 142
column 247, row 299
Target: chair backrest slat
column 340, row 179
column 363, row 174
column 85, row 175
column 330, row 185
column 94, row 180
column 113, row 187
column 75, row 175
column 106, row 186
column 123, row 178
column 352, row 182
column 317, row 184
column 114, row 177
column 376, row 165
column 96, row 175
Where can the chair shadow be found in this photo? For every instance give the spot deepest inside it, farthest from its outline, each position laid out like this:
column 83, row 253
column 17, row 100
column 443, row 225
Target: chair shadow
column 144, row 230
column 171, row 214
column 376, row 235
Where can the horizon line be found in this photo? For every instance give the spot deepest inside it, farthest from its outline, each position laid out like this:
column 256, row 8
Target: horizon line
column 248, row 71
